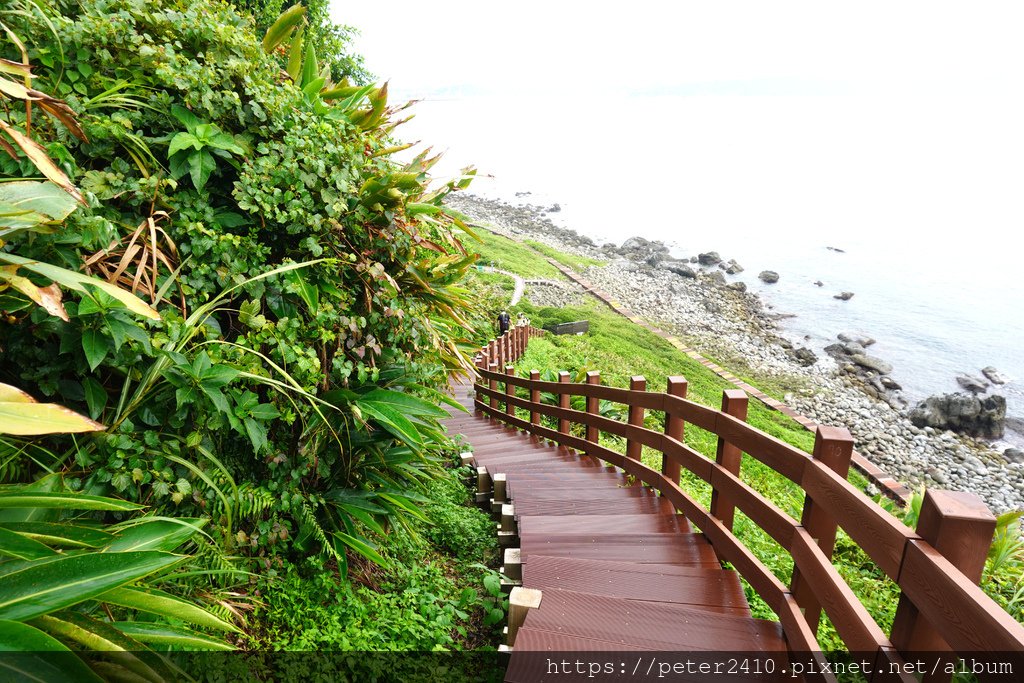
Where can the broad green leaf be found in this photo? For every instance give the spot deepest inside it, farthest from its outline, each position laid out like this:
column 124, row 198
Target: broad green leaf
column 14, row 544
column 226, row 142
column 406, row 403
column 162, row 634
column 38, row 590
column 40, row 196
column 308, row 292
column 362, row 547
column 61, row 535
column 59, row 664
column 95, row 396
column 78, row 282
column 200, row 165
column 157, row 534
column 183, row 141
column 164, row 604
column 96, row 346
column 279, row 30
column 22, row 498
column 48, row 484
column 9, row 394
column 93, row 634
column 391, row 420
column 310, row 68
column 187, row 118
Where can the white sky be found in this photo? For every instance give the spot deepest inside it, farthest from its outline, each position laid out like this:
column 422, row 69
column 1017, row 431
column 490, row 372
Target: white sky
column 575, row 46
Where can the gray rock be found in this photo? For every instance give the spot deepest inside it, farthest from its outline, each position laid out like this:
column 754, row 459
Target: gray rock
column 768, row 276
column 994, row 375
column 555, row 208
column 679, row 268
column 861, row 339
column 717, row 277
column 805, row 356
column 738, row 286
column 819, row 283
column 871, row 363
column 709, row 258
column 963, row 413
column 843, row 296
column 1013, row 455
column 973, row 384
column 890, row 384
column 836, row 249
column 731, row 268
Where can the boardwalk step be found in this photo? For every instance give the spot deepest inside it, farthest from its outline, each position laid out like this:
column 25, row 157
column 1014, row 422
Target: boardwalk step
column 669, row 548
column 601, row 523
column 627, row 506
column 630, row 624
column 699, row 587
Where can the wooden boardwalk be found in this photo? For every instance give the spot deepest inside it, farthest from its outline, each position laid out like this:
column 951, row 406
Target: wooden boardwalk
column 618, row 568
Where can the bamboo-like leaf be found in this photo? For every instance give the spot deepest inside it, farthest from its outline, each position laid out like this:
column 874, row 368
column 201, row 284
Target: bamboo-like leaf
column 48, row 298
column 78, row 282
column 15, row 68
column 93, row 634
column 59, row 664
column 38, row 156
column 162, row 634
column 60, row 535
column 391, row 420
column 294, row 67
column 15, row 545
column 22, row 498
column 159, row 534
column 36, row 198
column 406, row 403
column 164, row 604
column 362, row 547
column 32, row 419
column 310, row 68
column 279, row 30
column 37, row 590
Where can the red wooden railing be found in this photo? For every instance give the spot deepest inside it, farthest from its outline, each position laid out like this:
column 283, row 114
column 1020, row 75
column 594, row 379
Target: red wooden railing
column 937, row 567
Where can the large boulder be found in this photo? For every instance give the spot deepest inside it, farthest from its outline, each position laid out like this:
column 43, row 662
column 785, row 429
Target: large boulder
column 679, row 268
column 843, row 296
column 963, row 413
column 861, row 339
column 768, row 276
column 871, row 363
column 709, row 258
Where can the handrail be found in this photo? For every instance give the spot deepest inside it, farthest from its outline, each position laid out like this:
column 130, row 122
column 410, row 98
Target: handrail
column 940, row 605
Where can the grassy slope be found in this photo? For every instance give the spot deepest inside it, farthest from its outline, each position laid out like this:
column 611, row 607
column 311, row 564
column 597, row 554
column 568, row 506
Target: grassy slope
column 619, row 349
column 501, row 252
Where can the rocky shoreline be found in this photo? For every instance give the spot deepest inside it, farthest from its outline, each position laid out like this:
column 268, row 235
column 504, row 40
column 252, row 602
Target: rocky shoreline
column 849, row 387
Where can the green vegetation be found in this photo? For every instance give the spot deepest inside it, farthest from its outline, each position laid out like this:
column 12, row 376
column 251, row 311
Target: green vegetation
column 571, row 260
column 501, row 252
column 229, row 317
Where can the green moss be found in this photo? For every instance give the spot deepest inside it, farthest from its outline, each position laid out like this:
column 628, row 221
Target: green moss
column 507, row 254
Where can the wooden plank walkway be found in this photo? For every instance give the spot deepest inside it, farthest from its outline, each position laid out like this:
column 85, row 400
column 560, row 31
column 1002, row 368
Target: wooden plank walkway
column 619, row 569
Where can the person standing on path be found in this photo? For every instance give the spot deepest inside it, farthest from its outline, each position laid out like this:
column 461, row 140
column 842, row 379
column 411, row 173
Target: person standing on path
column 503, row 321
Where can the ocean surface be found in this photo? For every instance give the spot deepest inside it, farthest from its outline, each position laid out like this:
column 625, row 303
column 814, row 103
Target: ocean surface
column 923, row 195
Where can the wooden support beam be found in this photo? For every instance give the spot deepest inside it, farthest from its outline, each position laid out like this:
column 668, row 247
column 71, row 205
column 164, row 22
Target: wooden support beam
column 636, row 418
column 960, row 527
column 833, row 447
column 563, row 402
column 510, row 390
column 534, row 398
column 483, row 485
column 734, row 403
column 499, row 498
column 674, row 427
column 513, row 567
column 593, row 406
column 520, row 602
column 493, row 385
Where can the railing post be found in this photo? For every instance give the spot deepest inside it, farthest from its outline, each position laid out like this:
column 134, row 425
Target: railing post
column 833, row 448
column 534, row 397
column 593, row 406
column 960, row 527
column 510, row 390
column 636, row 417
column 493, row 384
column 673, row 427
column 563, row 402
column 734, row 403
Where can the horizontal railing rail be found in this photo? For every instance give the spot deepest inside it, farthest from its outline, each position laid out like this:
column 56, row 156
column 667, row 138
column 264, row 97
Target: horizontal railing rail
column 936, row 568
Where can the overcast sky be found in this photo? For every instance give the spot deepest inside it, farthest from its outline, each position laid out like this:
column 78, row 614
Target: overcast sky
column 760, row 47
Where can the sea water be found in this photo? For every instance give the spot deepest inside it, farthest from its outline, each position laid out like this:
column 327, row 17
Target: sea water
column 922, row 195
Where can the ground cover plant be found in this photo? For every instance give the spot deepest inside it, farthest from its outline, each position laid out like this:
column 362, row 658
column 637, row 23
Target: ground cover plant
column 230, row 310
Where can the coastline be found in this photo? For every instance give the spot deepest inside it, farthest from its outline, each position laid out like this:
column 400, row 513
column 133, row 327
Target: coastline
column 740, row 331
